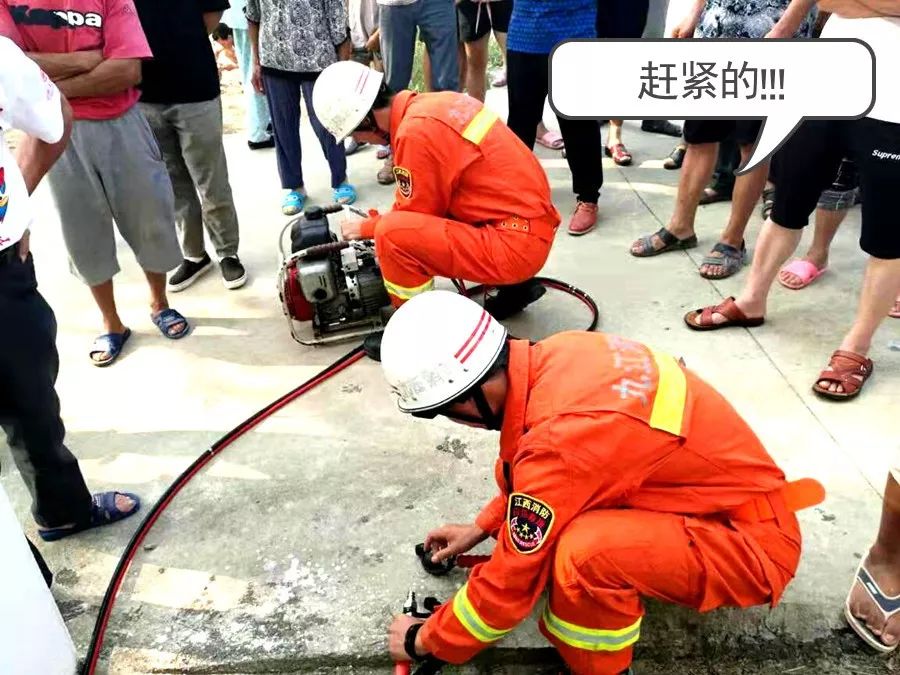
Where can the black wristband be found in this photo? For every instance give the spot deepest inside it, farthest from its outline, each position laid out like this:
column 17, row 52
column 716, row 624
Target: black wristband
column 409, row 642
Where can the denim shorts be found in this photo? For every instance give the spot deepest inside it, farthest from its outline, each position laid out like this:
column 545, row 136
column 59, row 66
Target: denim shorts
column 844, row 192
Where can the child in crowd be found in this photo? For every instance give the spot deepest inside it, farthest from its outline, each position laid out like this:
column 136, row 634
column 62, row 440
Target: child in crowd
column 223, row 47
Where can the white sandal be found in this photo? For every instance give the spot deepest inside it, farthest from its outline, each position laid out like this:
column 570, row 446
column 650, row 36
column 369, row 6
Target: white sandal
column 889, row 607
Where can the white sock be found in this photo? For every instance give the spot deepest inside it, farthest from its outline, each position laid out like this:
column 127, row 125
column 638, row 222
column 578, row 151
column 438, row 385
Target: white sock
column 194, row 260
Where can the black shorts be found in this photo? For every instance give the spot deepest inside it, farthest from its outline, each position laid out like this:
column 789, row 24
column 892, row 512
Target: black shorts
column 742, row 132
column 497, row 20
column 808, row 162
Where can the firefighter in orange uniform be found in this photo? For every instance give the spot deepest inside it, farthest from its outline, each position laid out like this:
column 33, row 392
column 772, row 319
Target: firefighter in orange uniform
column 622, row 475
column 472, row 201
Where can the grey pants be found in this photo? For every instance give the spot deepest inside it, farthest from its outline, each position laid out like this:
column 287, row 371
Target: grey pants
column 190, row 139
column 436, row 19
column 112, row 171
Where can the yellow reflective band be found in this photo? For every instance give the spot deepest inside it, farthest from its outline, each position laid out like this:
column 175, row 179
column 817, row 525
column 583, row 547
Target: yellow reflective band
column 671, row 395
column 591, row 639
column 470, row 620
column 477, row 129
column 406, row 293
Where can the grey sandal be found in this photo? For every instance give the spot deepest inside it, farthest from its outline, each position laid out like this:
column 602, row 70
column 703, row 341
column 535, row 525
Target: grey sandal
column 732, row 260
column 669, row 240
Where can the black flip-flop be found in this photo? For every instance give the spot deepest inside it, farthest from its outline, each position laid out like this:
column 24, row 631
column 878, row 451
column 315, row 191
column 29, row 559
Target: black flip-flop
column 669, row 240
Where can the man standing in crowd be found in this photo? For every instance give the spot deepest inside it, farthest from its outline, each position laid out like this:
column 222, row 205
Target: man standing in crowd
column 259, row 122
column 805, row 166
column 724, row 19
column 435, row 20
column 29, row 362
column 180, row 97
column 293, row 42
column 111, row 170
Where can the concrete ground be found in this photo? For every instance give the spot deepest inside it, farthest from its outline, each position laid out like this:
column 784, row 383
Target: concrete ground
column 290, row 553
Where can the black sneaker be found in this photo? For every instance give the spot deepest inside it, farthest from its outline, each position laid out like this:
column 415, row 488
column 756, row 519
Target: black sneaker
column 233, row 273
column 261, row 145
column 511, row 300
column 372, row 346
column 664, row 127
column 188, row 272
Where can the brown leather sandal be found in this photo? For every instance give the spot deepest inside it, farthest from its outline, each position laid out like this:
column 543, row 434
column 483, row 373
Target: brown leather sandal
column 702, row 319
column 849, row 370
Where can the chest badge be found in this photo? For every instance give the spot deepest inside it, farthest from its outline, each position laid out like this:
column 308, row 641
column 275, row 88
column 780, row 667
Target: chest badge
column 530, row 521
column 404, row 182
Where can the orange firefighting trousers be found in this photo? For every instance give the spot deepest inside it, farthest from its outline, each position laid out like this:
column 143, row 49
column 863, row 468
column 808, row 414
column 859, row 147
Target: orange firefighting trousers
column 607, row 559
column 413, row 248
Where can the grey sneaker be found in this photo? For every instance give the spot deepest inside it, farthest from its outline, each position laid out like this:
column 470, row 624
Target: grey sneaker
column 233, row 273
column 188, row 272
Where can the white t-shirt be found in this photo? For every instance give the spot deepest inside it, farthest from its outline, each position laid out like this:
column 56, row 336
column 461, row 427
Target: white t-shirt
column 883, row 35
column 29, row 102
column 363, row 19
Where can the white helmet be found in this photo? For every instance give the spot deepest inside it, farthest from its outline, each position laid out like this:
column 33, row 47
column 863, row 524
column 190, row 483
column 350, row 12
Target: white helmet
column 436, row 347
column 343, row 95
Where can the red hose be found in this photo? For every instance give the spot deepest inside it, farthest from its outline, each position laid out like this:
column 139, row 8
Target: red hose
column 401, row 668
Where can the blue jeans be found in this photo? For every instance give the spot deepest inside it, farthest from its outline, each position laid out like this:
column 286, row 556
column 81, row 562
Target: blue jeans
column 436, row 19
column 257, row 108
column 283, row 92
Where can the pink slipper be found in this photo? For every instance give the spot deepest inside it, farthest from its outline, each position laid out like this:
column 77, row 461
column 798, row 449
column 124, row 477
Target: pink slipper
column 805, row 270
column 552, row 140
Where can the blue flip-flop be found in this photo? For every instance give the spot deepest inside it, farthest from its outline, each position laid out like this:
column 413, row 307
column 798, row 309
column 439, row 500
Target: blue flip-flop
column 111, row 344
column 103, row 512
column 168, row 318
column 345, row 194
column 887, row 605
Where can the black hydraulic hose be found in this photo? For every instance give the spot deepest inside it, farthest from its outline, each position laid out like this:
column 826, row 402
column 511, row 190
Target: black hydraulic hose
column 93, row 653
column 547, row 282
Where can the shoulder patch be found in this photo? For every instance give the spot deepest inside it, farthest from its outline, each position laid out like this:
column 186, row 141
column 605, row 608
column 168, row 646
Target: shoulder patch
column 404, row 181
column 529, row 522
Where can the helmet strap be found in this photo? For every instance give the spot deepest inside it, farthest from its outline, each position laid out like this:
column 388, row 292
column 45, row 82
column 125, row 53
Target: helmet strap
column 489, row 418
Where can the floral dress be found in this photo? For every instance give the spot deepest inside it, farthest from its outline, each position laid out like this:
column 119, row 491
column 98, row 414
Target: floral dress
column 747, row 19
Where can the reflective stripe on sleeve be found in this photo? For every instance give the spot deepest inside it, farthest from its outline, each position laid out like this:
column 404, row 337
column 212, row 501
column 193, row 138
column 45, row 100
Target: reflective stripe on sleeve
column 591, row 639
column 477, row 129
column 671, row 395
column 405, row 293
column 471, row 621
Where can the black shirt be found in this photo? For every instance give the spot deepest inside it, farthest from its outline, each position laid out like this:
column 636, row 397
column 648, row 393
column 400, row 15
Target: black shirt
column 183, row 68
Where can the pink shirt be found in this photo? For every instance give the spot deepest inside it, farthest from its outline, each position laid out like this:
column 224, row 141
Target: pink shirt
column 64, row 26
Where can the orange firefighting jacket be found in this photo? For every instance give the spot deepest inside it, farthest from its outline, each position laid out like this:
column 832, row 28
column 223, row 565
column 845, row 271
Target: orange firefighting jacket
column 595, row 421
column 454, row 158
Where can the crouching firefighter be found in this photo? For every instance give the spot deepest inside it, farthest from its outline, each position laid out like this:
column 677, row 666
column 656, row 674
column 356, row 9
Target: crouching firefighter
column 622, row 475
column 472, row 202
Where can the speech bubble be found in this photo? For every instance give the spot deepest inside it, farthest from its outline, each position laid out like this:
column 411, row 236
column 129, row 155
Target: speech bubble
column 782, row 82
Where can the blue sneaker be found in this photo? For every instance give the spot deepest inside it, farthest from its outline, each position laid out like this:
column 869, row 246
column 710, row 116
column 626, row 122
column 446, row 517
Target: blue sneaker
column 293, row 203
column 345, row 194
